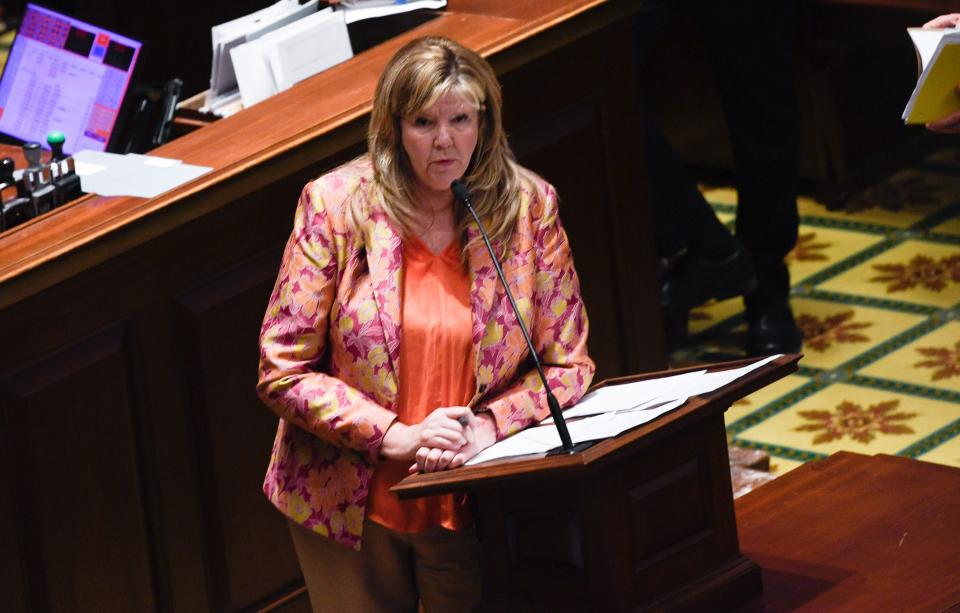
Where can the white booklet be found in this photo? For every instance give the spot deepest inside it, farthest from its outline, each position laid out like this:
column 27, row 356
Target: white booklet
column 938, row 59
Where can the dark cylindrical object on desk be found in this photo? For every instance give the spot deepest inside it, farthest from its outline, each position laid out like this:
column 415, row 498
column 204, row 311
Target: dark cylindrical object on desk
column 56, row 140
column 32, row 153
column 66, row 183
column 37, row 180
column 14, row 209
column 6, row 171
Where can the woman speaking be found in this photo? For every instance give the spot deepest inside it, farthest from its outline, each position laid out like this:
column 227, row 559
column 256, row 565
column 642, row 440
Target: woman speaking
column 390, row 346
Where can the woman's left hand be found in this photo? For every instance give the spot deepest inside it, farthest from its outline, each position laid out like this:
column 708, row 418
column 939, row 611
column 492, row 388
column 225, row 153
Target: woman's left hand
column 481, row 432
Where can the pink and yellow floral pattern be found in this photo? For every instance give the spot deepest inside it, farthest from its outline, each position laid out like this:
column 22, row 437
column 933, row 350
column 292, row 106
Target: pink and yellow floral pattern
column 330, row 341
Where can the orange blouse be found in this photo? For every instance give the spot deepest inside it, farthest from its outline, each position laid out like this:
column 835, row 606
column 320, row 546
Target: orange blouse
column 436, row 370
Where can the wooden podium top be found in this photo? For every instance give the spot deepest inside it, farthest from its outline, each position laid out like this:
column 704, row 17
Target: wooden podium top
column 326, row 113
column 496, row 473
column 856, row 533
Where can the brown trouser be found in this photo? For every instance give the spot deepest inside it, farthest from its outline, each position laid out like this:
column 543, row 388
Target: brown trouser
column 394, row 571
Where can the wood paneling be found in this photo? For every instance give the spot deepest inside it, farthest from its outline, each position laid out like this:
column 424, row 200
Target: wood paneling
column 248, row 550
column 76, row 471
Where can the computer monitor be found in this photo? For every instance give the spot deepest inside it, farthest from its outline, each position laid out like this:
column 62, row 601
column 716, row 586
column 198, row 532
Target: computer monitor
column 67, row 75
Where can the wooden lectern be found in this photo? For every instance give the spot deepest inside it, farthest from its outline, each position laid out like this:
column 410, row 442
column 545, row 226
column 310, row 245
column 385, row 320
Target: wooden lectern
column 642, row 520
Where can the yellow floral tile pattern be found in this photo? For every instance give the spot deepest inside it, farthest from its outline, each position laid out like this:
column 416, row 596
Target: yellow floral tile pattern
column 713, row 313
column 933, row 360
column 947, row 453
column 898, row 202
column 950, row 226
column 914, row 271
column 879, row 305
column 781, row 466
column 854, row 418
column 764, row 396
column 835, row 333
column 819, row 248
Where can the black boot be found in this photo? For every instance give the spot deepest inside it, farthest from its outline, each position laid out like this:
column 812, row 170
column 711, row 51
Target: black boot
column 771, row 327
column 697, row 279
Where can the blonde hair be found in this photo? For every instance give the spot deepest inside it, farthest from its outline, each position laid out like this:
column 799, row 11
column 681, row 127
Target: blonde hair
column 422, row 71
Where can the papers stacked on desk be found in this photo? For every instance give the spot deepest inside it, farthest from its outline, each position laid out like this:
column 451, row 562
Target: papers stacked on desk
column 357, row 10
column 277, row 60
column 611, row 410
column 287, row 53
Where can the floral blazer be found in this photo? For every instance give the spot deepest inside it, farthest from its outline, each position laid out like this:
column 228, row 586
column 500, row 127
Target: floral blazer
column 330, row 341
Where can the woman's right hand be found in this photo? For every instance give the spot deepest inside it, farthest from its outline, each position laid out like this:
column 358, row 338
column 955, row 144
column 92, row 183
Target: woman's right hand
column 442, row 429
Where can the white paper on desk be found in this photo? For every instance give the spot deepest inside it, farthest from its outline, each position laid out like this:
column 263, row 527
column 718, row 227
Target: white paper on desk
column 306, row 47
column 357, row 11
column 229, row 35
column 225, row 37
column 253, row 73
column 143, row 176
column 624, row 396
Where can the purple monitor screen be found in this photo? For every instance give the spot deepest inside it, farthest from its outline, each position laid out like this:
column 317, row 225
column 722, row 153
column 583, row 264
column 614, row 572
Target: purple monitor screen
column 67, row 75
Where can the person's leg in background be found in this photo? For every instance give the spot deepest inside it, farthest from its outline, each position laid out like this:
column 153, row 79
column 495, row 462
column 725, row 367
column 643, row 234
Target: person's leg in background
column 753, row 45
column 708, row 262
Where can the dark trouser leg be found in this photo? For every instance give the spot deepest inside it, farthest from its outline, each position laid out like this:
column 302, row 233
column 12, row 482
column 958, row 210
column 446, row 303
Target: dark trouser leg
column 753, row 44
column 682, row 217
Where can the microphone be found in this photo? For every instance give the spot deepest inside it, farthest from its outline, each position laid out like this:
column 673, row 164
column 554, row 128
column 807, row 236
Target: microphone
column 461, row 193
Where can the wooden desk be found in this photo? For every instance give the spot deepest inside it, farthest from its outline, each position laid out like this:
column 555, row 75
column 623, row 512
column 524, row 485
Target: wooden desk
column 132, row 445
column 856, row 533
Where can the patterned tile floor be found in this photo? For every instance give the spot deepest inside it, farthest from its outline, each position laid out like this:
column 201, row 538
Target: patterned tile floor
column 877, row 294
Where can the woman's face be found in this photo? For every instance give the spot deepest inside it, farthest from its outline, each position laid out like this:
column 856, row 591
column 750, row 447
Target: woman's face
column 439, row 141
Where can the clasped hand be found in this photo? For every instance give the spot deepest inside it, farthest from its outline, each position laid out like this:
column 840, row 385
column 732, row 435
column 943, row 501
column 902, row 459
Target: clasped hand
column 446, row 438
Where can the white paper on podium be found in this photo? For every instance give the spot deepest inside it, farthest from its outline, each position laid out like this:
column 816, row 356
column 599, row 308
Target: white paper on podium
column 630, row 395
column 712, row 381
column 615, row 409
column 540, row 439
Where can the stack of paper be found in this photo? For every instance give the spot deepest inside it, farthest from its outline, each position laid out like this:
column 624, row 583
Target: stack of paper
column 227, row 36
column 357, row 10
column 278, row 59
column 614, row 409
column 938, row 55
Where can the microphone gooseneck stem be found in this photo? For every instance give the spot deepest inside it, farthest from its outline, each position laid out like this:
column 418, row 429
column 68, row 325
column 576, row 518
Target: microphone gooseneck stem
column 461, row 194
